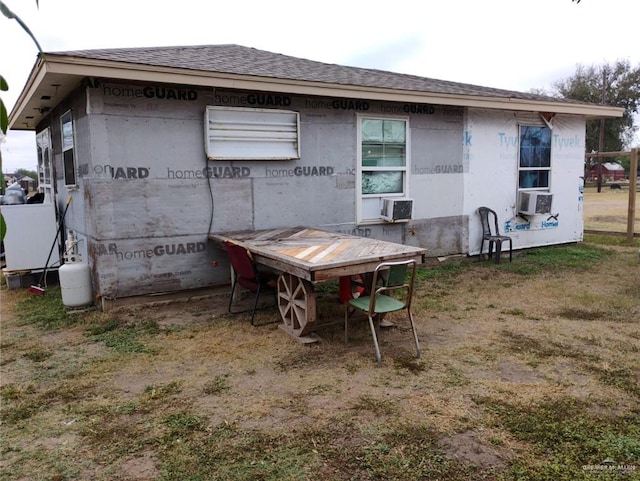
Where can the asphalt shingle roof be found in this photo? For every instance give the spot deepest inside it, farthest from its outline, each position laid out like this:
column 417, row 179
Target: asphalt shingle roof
column 240, row 60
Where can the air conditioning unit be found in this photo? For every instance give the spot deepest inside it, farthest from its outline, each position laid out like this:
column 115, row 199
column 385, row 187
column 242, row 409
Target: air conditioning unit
column 398, row 209
column 532, row 203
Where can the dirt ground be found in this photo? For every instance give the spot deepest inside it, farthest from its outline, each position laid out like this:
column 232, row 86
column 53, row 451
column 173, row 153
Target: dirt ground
column 471, row 347
column 482, row 332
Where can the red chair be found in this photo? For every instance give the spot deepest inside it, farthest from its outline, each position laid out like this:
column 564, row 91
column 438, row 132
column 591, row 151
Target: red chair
column 247, row 275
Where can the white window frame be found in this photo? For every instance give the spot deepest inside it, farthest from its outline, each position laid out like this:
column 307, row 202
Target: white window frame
column 238, row 133
column 67, row 139
column 45, row 164
column 405, row 169
column 548, row 169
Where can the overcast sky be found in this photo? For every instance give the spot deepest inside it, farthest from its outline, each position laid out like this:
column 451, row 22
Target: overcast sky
column 511, row 44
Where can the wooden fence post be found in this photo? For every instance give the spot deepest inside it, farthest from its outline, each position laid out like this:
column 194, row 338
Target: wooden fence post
column 633, row 185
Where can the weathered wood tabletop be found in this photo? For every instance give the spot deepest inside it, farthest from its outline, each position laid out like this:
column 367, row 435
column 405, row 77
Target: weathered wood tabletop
column 317, row 255
column 308, row 255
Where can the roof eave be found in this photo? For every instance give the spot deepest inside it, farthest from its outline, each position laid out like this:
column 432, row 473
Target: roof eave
column 78, row 68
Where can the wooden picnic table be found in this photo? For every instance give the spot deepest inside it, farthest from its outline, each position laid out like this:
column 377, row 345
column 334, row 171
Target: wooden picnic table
column 305, row 256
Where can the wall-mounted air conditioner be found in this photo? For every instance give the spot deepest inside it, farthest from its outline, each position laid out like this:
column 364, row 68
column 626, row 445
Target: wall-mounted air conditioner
column 398, row 209
column 532, row 203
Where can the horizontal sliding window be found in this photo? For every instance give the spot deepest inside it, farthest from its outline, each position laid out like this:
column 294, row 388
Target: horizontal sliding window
column 251, row 134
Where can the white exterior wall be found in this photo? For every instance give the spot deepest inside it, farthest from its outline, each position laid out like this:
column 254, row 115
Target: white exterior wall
column 492, row 149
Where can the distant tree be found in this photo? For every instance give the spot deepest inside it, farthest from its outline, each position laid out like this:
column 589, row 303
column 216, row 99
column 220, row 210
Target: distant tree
column 27, row 172
column 618, row 84
column 624, row 162
column 540, row 91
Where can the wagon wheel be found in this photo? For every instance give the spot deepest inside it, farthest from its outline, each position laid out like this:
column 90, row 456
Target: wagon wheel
column 297, row 304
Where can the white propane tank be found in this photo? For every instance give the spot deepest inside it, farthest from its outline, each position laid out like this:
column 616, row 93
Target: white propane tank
column 75, row 276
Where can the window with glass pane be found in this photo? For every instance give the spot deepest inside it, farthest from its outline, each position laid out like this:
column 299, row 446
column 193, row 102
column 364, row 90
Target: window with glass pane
column 66, row 128
column 383, row 143
column 384, row 155
column 44, row 156
column 382, row 182
column 45, row 172
column 534, row 157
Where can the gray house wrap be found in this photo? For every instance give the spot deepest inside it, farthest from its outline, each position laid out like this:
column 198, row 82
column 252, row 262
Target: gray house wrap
column 146, row 195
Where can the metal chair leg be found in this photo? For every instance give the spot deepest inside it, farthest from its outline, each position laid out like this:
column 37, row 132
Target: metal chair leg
column 375, row 339
column 233, row 289
column 255, row 305
column 415, row 334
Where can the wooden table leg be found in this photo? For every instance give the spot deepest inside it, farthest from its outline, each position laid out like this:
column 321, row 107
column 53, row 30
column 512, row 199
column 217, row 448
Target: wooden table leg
column 297, row 305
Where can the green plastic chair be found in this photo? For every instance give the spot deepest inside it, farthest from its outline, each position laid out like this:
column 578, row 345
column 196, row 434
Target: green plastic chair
column 393, row 294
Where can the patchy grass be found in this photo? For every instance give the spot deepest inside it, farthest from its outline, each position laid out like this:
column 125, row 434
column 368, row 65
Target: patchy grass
column 442, row 272
column 624, row 378
column 611, row 240
column 566, row 437
column 581, row 313
column 123, row 337
column 553, row 259
column 218, row 385
column 46, row 311
column 535, row 351
column 528, row 371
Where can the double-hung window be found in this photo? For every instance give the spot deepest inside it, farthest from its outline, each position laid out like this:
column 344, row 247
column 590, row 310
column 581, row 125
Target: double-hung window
column 534, row 159
column 68, row 155
column 382, row 164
